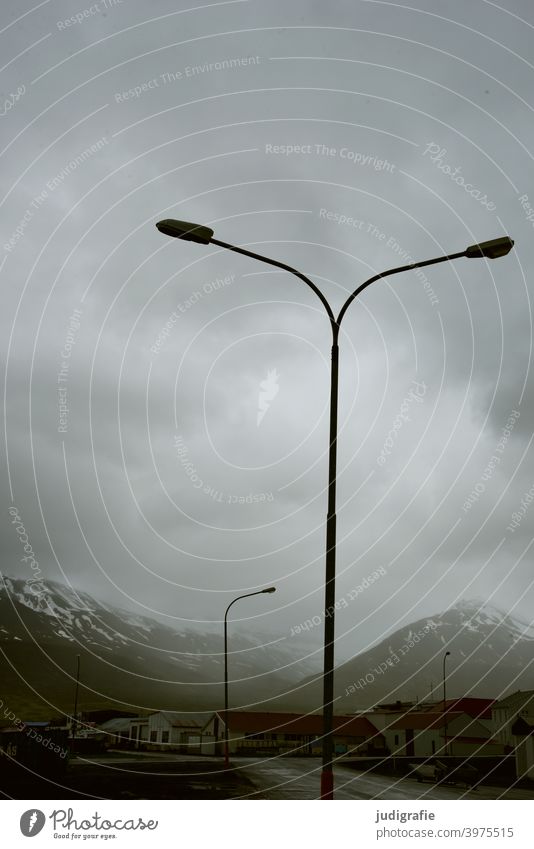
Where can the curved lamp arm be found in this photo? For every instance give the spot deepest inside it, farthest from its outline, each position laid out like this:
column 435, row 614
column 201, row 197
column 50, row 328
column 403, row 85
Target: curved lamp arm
column 283, row 265
column 394, row 271
column 247, row 595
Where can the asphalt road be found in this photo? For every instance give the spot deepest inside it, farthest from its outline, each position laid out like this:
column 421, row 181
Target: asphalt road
column 296, row 778
column 144, row 775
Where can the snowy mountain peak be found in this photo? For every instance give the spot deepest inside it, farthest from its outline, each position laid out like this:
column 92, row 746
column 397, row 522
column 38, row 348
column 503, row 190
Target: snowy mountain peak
column 477, row 614
column 57, row 597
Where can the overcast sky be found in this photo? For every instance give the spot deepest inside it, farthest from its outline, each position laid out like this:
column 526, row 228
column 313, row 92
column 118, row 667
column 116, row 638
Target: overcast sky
column 342, row 138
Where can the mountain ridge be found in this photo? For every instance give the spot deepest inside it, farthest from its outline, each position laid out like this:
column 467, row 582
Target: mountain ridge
column 135, row 662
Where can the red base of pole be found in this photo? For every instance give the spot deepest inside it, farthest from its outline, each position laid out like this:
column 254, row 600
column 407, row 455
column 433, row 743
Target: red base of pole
column 327, row 784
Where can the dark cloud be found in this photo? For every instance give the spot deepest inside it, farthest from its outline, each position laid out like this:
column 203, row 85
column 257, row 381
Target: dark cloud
column 340, row 139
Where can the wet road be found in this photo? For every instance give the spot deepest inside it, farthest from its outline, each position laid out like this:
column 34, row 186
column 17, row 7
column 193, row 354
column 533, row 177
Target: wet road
column 285, row 778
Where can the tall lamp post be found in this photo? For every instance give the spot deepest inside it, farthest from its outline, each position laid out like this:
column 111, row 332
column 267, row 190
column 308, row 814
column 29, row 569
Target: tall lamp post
column 204, row 235
column 247, row 595
column 74, row 717
column 445, row 656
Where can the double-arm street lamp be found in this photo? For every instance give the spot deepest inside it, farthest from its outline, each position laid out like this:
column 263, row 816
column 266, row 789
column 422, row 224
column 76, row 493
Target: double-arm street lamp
column 204, row 236
column 247, row 595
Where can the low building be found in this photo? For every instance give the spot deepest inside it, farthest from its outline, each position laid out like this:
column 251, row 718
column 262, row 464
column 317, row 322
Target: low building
column 117, row 731
column 255, row 732
column 138, row 731
column 505, row 713
column 523, row 734
column 179, row 731
column 425, row 734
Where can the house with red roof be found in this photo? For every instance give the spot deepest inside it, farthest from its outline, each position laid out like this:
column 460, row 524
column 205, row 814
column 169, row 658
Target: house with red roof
column 477, row 708
column 256, row 732
column 424, row 733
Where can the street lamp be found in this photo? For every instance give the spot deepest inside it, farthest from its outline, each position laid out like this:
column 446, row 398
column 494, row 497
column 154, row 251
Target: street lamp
column 445, row 656
column 248, row 595
column 75, row 712
column 204, row 235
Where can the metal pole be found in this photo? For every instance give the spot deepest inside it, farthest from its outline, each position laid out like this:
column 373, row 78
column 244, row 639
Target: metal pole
column 327, row 775
column 226, row 758
column 76, row 694
column 445, row 656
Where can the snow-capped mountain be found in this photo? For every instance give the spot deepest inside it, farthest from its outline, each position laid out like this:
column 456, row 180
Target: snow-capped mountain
column 134, row 662
column 126, row 660
column 491, row 654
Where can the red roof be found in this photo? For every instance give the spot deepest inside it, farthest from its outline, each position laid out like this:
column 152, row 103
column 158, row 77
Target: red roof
column 476, row 708
column 479, row 708
column 257, row 722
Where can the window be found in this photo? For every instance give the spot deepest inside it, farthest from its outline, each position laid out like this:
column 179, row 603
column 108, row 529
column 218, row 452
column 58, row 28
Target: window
column 164, row 736
column 153, row 736
column 396, row 739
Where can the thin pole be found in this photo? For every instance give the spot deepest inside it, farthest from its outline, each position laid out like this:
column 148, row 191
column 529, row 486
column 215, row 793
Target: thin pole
column 76, row 694
column 445, row 656
column 226, row 758
column 327, row 775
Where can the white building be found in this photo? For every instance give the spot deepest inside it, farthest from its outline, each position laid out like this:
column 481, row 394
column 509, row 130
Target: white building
column 523, row 733
column 117, row 730
column 179, row 731
column 505, row 712
column 139, row 731
column 428, row 733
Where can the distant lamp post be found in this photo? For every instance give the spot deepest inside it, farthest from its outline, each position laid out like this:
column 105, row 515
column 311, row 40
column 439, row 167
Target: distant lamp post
column 204, row 235
column 75, row 713
column 247, row 595
column 445, row 656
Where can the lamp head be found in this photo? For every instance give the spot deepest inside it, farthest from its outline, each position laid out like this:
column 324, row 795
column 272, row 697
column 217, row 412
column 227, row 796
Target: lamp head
column 492, row 249
column 269, row 590
column 185, row 230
